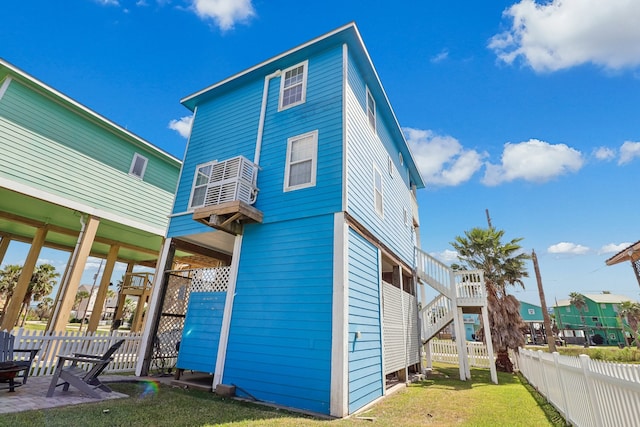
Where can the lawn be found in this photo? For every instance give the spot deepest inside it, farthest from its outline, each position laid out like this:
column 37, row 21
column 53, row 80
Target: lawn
column 441, row 400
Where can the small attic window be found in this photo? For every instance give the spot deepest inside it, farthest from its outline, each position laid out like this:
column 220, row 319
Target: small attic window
column 138, row 166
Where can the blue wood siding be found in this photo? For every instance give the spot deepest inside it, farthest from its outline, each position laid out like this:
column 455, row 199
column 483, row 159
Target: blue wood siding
column 322, row 111
column 365, row 353
column 366, row 148
column 227, row 126
column 201, row 333
column 279, row 346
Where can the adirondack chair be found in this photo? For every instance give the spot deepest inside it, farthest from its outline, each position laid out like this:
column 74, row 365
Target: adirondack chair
column 7, row 354
column 85, row 380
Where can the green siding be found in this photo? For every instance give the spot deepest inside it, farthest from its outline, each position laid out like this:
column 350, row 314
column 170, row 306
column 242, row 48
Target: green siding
column 53, row 149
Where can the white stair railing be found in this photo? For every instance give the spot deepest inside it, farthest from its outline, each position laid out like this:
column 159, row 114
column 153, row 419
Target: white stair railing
column 433, row 272
column 435, row 316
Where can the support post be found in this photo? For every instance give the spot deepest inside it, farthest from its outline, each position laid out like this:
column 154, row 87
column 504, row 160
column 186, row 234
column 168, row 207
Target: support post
column 4, row 245
column 486, row 326
column 98, row 304
column 13, row 309
column 79, row 260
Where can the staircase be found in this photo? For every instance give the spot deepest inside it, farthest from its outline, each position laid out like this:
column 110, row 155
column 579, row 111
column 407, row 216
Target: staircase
column 464, row 289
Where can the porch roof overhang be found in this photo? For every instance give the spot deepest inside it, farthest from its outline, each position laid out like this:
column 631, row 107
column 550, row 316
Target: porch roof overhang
column 630, row 253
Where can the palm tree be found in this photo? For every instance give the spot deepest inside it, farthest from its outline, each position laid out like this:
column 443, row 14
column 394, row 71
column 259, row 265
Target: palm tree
column 503, row 265
column 578, row 301
column 631, row 311
column 41, row 285
column 8, row 280
column 43, row 309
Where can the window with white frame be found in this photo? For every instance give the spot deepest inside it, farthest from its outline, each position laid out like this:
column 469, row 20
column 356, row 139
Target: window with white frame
column 138, row 166
column 293, row 86
column 371, row 110
column 377, row 191
column 200, row 181
column 302, row 157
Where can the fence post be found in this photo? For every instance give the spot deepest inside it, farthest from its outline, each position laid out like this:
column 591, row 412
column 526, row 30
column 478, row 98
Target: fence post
column 543, row 384
column 563, row 391
column 595, row 410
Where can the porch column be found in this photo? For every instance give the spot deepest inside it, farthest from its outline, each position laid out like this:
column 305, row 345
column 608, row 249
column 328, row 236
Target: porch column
column 98, row 305
column 487, row 337
column 4, row 245
column 396, row 279
column 13, row 309
column 78, row 261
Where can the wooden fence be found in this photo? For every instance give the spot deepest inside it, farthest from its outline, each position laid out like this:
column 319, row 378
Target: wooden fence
column 587, row 392
column 67, row 343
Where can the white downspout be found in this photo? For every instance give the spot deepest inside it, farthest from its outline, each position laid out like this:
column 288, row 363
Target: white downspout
column 263, row 112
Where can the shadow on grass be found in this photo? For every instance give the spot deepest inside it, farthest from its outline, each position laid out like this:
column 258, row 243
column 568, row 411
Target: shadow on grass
column 554, row 417
column 448, row 377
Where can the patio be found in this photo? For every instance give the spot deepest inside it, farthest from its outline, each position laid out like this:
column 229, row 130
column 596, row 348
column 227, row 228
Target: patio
column 32, row 395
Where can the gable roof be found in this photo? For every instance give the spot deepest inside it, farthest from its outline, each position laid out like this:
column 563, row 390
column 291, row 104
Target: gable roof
column 347, row 34
column 597, row 298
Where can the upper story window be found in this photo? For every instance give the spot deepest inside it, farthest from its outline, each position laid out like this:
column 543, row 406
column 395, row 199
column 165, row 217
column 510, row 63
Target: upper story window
column 200, row 181
column 138, row 166
column 293, row 86
column 302, row 157
column 371, row 110
column 531, row 311
column 377, row 191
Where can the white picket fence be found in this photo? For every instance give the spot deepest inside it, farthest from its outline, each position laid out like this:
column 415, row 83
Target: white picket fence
column 68, row 343
column 446, row 351
column 586, row 392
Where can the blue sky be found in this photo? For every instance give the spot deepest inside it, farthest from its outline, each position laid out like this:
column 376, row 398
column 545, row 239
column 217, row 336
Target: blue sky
column 526, row 109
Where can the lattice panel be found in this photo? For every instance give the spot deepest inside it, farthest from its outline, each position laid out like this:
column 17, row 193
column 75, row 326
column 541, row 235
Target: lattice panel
column 636, row 268
column 211, row 279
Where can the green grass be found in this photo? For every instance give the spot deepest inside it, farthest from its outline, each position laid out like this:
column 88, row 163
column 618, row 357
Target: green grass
column 441, row 400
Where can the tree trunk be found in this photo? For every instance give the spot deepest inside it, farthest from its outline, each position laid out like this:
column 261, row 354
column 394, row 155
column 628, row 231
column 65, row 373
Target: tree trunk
column 503, row 363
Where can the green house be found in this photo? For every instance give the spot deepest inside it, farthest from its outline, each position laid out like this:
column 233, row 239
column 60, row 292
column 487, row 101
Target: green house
column 599, row 317
column 532, row 315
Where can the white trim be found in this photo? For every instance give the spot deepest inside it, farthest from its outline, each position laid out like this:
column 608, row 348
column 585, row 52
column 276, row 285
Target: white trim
column 137, row 156
column 375, row 191
column 228, row 311
column 158, row 278
column 345, row 170
column 5, row 86
column 381, row 318
column 314, row 161
column 339, row 399
column 372, row 112
column 305, row 73
column 80, row 207
column 93, row 114
column 263, row 112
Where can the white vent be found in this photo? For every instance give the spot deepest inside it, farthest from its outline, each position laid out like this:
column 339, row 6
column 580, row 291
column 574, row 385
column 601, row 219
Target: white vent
column 231, row 180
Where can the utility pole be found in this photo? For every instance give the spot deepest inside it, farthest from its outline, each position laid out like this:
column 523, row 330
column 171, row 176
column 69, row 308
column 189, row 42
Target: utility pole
column 545, row 314
column 488, row 218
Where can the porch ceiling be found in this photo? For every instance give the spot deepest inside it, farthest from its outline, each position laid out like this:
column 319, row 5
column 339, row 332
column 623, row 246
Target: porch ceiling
column 21, row 215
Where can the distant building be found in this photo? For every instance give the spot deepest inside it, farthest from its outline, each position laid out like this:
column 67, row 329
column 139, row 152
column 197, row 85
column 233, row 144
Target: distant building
column 599, row 317
column 533, row 316
column 86, row 305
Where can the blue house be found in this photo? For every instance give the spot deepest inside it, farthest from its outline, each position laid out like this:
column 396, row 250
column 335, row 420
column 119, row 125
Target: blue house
column 299, row 188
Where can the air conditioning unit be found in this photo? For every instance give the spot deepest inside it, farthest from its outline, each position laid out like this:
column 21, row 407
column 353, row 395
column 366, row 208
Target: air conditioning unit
column 231, row 180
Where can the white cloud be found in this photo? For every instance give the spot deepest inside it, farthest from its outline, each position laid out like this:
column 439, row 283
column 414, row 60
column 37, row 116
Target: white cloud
column 182, row 126
column 560, row 34
column 447, row 256
column 604, row 153
column 441, row 159
column 225, row 13
column 444, row 54
column 567, row 248
column 629, row 151
column 613, row 248
column 108, row 2
column 534, row 160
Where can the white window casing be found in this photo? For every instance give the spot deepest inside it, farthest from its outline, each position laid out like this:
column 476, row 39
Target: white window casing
column 199, row 187
column 378, row 192
column 302, row 159
column 138, row 166
column 293, row 86
column 371, row 110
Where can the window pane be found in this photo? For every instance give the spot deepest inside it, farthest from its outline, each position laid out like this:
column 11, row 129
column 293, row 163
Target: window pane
column 300, row 173
column 302, row 149
column 198, row 196
column 203, row 175
column 292, row 95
